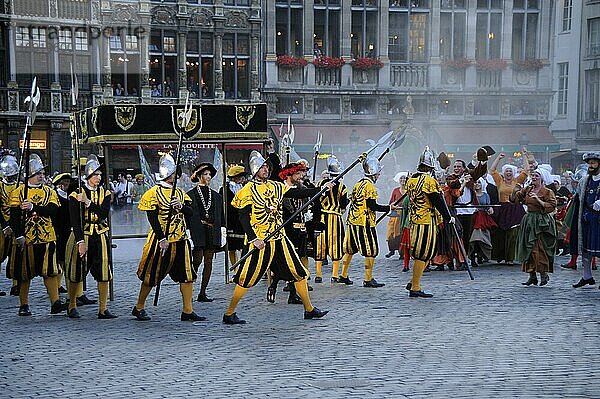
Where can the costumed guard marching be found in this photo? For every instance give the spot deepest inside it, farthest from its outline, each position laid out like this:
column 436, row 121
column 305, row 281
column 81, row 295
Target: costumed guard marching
column 87, row 248
column 205, row 223
column 426, row 210
column 9, row 170
column 235, row 233
column 333, row 204
column 61, row 222
column 33, row 251
column 166, row 253
column 585, row 228
column 260, row 204
column 361, row 235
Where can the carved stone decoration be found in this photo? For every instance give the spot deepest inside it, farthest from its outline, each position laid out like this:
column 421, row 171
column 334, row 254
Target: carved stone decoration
column 383, row 104
column 106, row 79
column 236, row 20
column 53, row 9
column 469, row 108
column 309, row 101
column 505, row 109
column 124, row 12
column 201, row 18
column 254, row 81
column 95, row 11
column 145, row 79
column 56, row 125
column 524, row 77
column 164, row 15
column 13, row 101
column 182, row 78
column 218, row 80
column 56, row 102
column 271, row 101
column 346, row 107
column 7, row 9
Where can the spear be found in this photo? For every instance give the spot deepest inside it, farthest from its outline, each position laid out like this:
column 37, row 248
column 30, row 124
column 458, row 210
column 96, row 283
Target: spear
column 33, row 100
column 317, row 147
column 186, row 115
column 360, row 158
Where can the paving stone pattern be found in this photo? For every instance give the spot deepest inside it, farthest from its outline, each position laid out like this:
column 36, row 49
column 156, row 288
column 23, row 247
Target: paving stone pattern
column 490, row 337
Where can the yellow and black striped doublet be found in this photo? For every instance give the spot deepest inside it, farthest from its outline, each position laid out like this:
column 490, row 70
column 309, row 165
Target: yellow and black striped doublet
column 330, row 241
column 176, row 261
column 94, row 234
column 38, row 257
column 5, row 243
column 282, row 258
column 360, row 235
column 423, row 216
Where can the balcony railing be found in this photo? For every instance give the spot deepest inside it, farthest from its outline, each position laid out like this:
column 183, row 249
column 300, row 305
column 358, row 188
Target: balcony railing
column 34, row 8
column 489, row 79
column 85, row 100
column 74, row 9
column 409, row 75
column 290, row 75
column 328, row 77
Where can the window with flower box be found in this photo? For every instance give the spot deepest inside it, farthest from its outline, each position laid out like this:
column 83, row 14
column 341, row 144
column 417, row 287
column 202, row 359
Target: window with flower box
column 526, row 16
column 199, row 64
column 488, row 31
column 289, row 28
column 327, row 28
column 363, row 30
column 453, row 29
column 408, row 29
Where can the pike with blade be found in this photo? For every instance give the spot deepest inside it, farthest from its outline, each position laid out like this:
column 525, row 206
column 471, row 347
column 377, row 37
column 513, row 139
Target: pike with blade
column 358, row 160
column 317, row 147
column 186, row 117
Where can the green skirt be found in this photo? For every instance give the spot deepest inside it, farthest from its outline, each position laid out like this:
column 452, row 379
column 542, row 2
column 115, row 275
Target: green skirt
column 536, row 242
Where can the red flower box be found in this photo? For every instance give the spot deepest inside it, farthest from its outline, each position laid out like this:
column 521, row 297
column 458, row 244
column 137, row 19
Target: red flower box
column 366, row 63
column 528, row 65
column 291, row 62
column 492, row 65
column 328, row 62
column 458, row 63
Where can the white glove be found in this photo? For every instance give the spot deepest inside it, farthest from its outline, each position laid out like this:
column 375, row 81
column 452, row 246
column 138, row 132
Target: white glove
column 308, row 216
column 596, row 205
column 223, row 236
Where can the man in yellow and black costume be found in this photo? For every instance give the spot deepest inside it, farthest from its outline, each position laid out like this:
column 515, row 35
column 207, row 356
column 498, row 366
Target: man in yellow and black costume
column 88, row 244
column 361, row 235
column 166, row 252
column 9, row 170
column 331, row 239
column 33, row 251
column 426, row 211
column 260, row 204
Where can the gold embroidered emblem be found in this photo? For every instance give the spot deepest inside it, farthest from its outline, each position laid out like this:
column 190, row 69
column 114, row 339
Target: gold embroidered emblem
column 244, row 114
column 125, row 116
column 83, row 125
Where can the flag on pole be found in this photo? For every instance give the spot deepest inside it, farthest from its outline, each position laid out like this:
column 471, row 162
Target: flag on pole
column 148, row 176
column 216, row 181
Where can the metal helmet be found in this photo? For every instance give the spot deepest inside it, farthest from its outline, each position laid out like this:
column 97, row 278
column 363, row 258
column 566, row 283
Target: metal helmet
column 591, row 155
column 256, row 162
column 371, row 166
column 580, row 172
column 304, row 162
column 91, row 165
column 9, row 166
column 334, row 168
column 166, row 167
column 427, row 158
column 35, row 165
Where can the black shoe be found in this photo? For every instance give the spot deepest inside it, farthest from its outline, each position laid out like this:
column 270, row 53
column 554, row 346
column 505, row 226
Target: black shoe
column 58, row 307
column 544, row 278
column 62, row 290
column 73, row 313
column 390, row 254
column 232, row 319
column 345, row 280
column 295, row 300
column 584, row 281
column 335, row 280
column 24, row 310
column 460, row 267
column 84, row 300
column 286, row 288
column 315, row 314
column 440, row 268
column 474, row 262
column 271, row 294
column 450, row 266
column 318, row 280
column 532, row 280
column 2, row 293
column 191, row 317
column 372, row 284
column 408, row 286
column 14, row 290
column 140, row 314
column 310, row 288
column 419, row 294
column 106, row 315
column 203, row 298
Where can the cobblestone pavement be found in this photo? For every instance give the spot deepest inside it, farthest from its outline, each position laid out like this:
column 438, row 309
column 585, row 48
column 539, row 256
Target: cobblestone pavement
column 490, row 337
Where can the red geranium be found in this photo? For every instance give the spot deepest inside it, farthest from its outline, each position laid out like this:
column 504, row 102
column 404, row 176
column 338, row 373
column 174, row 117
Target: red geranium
column 328, row 62
column 491, row 65
column 528, row 65
column 366, row 63
column 458, row 63
column 291, row 62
